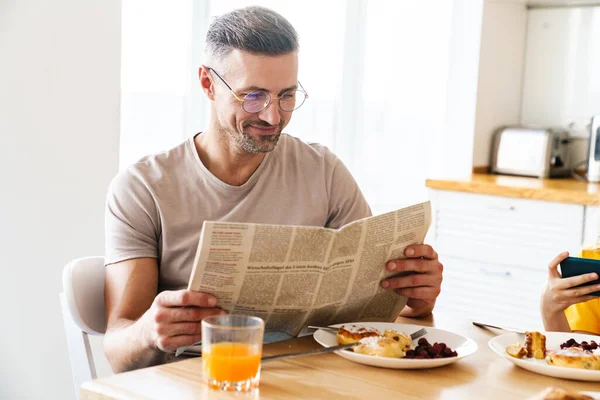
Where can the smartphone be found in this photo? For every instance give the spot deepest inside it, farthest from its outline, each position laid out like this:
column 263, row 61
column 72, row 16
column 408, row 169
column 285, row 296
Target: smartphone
column 573, row 266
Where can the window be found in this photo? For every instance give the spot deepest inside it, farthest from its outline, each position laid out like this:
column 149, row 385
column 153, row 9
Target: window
column 376, row 72
column 155, row 65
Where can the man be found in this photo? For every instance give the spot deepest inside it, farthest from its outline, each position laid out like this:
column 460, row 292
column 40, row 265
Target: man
column 240, row 169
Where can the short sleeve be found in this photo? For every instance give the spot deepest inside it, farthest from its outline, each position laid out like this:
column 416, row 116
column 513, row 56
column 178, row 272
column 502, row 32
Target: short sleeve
column 346, row 201
column 132, row 224
column 584, row 316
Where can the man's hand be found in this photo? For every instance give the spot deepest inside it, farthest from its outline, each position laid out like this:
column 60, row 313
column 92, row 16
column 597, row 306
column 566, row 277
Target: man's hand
column 423, row 285
column 143, row 327
column 175, row 317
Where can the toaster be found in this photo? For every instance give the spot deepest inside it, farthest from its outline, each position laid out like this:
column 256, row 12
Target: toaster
column 538, row 152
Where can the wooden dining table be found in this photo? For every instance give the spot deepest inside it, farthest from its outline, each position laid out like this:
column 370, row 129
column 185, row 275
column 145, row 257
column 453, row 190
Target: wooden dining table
column 482, row 375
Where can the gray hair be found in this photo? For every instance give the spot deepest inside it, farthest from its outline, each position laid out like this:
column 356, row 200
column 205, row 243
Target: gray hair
column 256, row 30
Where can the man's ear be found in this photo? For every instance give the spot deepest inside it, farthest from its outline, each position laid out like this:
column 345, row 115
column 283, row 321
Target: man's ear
column 206, row 82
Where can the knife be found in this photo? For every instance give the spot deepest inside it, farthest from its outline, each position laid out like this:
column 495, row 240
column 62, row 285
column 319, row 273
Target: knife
column 184, row 349
column 283, row 356
column 504, row 328
column 309, row 353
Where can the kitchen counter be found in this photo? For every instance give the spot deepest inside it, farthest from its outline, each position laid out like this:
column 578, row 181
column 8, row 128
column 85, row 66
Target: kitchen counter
column 563, row 190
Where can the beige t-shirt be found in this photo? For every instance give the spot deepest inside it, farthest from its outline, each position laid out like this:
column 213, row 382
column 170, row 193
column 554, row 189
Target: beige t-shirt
column 157, row 206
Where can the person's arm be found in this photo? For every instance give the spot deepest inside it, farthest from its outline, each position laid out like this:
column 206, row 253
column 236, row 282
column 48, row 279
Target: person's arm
column 561, row 293
column 143, row 328
column 555, row 321
column 130, row 289
column 142, row 325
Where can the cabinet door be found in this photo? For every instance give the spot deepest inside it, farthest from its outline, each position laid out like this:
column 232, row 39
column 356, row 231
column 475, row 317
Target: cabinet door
column 591, row 225
column 495, row 251
column 498, row 294
column 502, row 230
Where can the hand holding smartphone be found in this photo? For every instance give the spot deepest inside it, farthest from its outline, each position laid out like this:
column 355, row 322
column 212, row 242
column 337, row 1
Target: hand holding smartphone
column 574, row 266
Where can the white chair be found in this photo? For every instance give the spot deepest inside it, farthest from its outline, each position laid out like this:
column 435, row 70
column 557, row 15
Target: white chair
column 82, row 304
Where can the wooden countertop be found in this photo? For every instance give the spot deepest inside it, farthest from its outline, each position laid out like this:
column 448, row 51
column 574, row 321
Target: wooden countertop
column 484, row 374
column 563, row 190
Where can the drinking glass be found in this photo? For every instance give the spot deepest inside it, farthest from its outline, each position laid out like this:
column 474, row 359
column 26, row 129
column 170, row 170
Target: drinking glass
column 590, row 251
column 231, row 352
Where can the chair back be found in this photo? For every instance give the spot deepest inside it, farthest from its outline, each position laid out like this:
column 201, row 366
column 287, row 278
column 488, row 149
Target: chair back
column 82, row 304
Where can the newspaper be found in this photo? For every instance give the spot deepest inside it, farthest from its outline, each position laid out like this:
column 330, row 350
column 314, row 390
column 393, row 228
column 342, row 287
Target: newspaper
column 295, row 276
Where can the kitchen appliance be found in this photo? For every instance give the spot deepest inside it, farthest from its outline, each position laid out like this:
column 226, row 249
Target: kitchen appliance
column 537, row 152
column 593, row 163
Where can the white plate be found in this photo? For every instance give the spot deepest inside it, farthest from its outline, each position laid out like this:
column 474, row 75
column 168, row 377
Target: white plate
column 594, row 395
column 461, row 344
column 553, row 342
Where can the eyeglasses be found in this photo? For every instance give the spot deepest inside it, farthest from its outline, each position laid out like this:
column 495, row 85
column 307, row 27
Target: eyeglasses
column 256, row 101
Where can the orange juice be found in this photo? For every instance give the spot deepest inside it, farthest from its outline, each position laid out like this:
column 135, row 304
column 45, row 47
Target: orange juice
column 233, row 362
column 591, row 252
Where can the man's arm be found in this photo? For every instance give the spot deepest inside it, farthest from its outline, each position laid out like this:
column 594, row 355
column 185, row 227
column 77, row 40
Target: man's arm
column 130, row 289
column 144, row 328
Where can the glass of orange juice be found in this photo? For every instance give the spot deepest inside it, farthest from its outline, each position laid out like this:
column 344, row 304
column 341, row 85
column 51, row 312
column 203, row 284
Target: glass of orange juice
column 591, row 251
column 231, row 352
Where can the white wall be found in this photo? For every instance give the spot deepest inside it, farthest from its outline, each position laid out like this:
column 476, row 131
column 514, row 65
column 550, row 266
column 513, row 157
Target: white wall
column 562, row 66
column 538, row 67
column 59, row 127
column 503, row 39
column 562, row 71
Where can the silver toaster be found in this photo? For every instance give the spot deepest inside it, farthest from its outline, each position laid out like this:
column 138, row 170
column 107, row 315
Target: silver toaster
column 538, row 152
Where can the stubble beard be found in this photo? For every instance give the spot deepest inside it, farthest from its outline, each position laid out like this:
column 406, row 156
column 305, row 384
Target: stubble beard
column 260, row 144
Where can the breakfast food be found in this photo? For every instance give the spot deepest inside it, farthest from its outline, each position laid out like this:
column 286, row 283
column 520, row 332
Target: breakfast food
column 425, row 350
column 572, row 354
column 402, row 338
column 348, row 334
column 516, row 350
column 534, row 347
column 592, row 345
column 392, row 343
column 380, row 346
column 574, row 357
column 555, row 393
column 535, row 344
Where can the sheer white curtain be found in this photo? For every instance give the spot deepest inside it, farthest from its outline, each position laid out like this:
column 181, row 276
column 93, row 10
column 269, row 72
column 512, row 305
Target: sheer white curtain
column 376, row 72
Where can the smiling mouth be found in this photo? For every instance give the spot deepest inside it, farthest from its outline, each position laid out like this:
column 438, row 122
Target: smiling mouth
column 265, row 130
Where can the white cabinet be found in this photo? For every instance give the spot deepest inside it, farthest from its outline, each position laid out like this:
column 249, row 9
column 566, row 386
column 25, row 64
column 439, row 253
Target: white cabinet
column 495, row 251
column 591, row 225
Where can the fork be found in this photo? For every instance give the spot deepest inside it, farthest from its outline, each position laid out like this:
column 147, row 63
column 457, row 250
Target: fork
column 414, row 336
column 418, row 334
